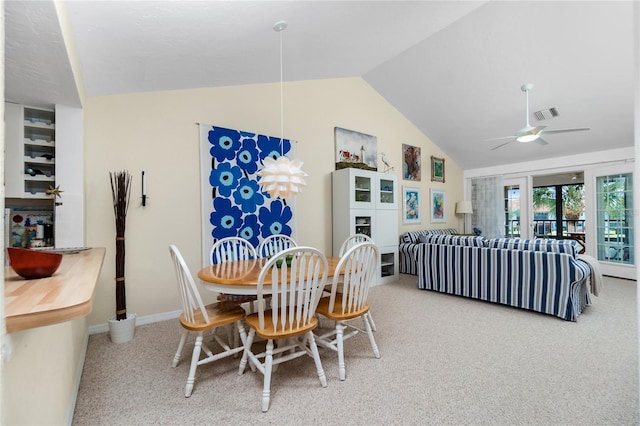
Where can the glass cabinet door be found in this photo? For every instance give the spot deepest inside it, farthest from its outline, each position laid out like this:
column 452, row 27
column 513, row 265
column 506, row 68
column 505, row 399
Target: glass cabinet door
column 386, row 191
column 386, row 188
column 363, row 222
column 387, row 263
column 362, row 189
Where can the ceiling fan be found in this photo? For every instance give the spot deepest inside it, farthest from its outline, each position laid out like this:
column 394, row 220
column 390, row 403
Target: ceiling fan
column 530, row 133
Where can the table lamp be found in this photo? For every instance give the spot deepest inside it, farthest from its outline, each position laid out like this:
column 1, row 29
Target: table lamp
column 464, row 208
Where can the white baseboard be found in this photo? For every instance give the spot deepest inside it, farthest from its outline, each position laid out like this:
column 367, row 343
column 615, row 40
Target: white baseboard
column 104, row 328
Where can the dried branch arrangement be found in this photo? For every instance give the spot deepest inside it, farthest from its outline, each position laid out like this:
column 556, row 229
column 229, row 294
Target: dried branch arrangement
column 121, row 193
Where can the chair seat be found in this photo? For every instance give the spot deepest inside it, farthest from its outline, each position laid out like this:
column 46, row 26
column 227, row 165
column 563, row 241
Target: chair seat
column 336, row 315
column 220, row 313
column 268, row 332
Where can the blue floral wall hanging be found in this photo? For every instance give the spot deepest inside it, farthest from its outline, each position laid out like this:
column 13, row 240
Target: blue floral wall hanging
column 232, row 201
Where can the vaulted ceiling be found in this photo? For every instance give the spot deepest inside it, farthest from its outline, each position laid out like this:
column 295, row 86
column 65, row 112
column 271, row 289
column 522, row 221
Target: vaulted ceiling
column 454, row 68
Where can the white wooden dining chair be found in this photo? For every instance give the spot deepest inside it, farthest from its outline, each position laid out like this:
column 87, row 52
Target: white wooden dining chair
column 227, row 250
column 346, row 245
column 297, row 277
column 231, row 248
column 274, row 244
column 352, row 241
column 198, row 318
column 359, row 266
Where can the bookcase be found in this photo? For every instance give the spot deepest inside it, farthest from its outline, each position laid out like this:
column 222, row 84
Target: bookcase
column 30, row 151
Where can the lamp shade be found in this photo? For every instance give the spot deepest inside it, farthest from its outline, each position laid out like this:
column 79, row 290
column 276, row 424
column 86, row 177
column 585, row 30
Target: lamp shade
column 282, row 177
column 464, row 207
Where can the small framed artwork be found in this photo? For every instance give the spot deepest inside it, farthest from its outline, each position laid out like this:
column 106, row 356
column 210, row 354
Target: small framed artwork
column 437, row 169
column 437, row 206
column 411, row 205
column 410, row 162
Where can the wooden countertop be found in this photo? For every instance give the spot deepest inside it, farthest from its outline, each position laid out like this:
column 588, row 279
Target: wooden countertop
column 65, row 295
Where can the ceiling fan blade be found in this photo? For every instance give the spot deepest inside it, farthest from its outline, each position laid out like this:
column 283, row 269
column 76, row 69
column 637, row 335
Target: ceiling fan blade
column 541, row 141
column 579, row 129
column 500, row 146
column 501, row 137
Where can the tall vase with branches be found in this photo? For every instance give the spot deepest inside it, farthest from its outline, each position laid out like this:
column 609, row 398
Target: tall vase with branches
column 121, row 192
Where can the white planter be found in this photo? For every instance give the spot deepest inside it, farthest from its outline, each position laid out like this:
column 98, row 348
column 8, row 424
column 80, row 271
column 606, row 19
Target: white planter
column 122, row 331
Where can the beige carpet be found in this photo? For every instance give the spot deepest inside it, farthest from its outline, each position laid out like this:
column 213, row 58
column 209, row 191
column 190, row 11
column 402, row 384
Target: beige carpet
column 444, row 360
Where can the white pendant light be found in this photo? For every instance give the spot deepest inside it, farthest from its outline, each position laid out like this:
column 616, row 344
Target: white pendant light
column 281, row 178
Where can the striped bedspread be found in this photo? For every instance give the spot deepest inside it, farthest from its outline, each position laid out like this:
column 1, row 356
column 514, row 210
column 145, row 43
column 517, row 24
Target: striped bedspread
column 548, row 282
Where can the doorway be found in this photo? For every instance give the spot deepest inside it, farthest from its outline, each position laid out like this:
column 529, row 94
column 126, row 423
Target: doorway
column 610, row 219
column 614, row 219
column 559, row 207
column 516, row 208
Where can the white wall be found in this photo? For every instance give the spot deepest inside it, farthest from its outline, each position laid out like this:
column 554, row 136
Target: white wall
column 157, row 133
column 69, row 228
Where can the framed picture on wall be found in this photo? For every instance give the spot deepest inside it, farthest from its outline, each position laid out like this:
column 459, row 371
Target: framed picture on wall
column 410, row 162
column 437, row 169
column 355, row 149
column 437, row 206
column 410, row 205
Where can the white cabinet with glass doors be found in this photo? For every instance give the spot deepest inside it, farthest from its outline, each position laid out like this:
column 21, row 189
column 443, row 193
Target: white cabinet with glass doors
column 366, row 202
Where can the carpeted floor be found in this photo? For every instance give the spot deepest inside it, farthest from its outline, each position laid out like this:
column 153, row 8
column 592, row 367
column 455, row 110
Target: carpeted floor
column 444, row 360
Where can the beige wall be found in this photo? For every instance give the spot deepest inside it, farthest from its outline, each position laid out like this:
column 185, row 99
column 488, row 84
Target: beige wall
column 157, row 133
column 40, row 379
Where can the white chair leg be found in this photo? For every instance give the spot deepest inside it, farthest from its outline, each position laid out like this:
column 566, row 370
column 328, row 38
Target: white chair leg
column 243, row 339
column 178, row 355
column 372, row 339
column 268, row 365
column 230, row 332
column 373, row 324
column 241, row 332
column 340, row 346
column 194, row 365
column 245, row 353
column 233, row 336
column 316, row 359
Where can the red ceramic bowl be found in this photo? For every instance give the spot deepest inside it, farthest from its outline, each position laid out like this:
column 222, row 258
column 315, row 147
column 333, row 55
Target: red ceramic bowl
column 32, row 264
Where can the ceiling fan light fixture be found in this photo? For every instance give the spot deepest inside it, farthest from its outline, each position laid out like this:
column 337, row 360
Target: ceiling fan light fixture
column 527, row 138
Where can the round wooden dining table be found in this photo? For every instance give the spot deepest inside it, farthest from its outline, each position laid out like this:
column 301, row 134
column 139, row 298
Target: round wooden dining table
column 241, row 276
